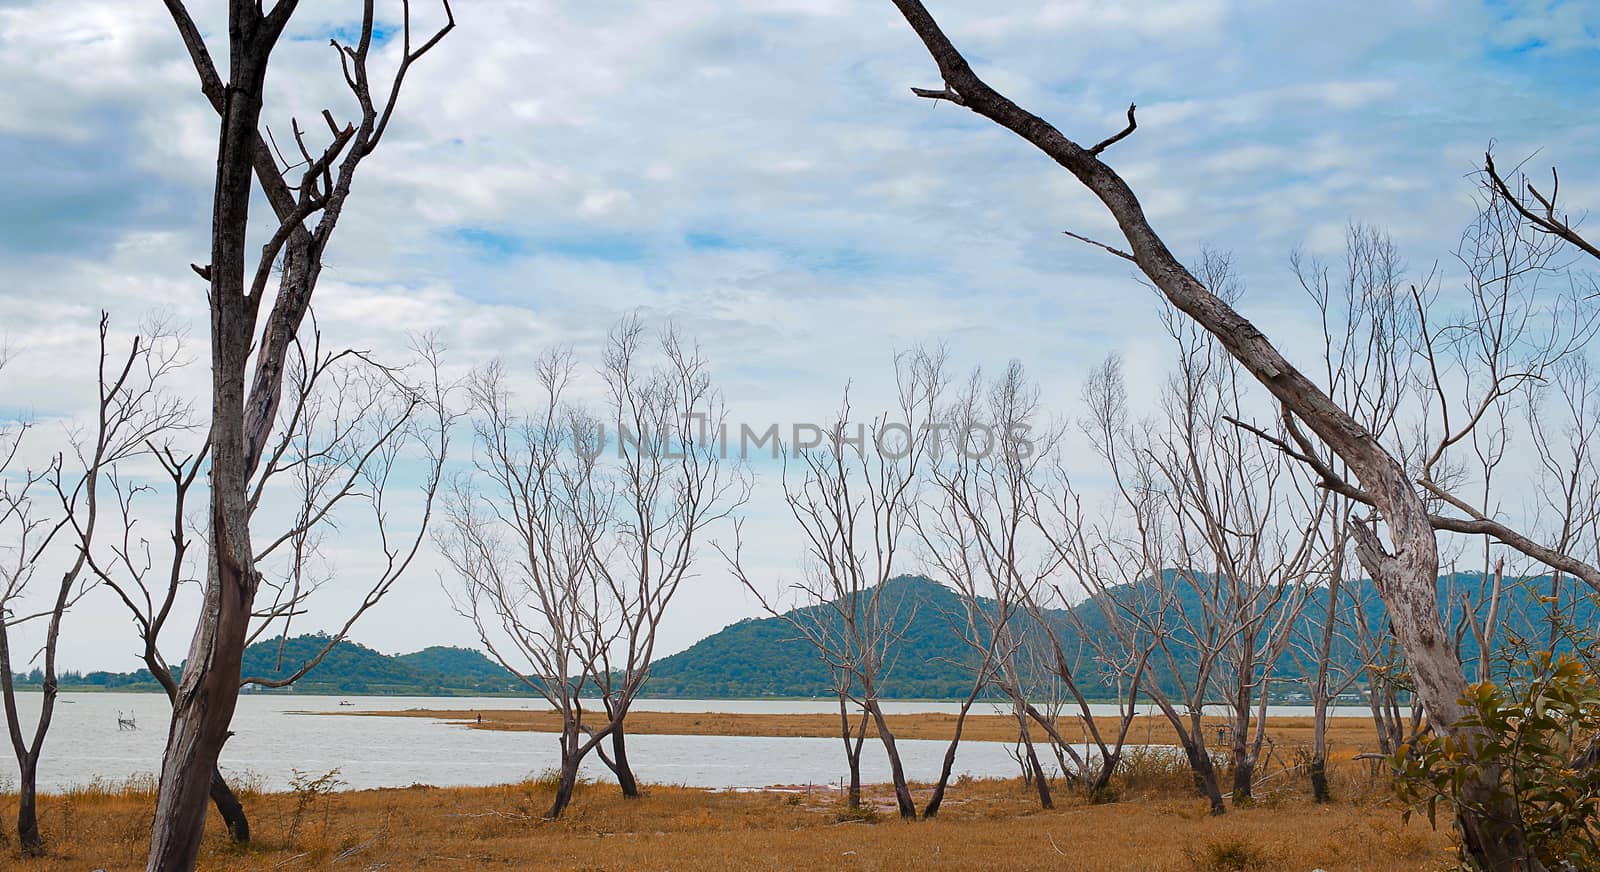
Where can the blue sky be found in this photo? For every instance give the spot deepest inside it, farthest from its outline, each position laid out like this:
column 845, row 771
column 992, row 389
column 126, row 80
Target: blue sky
column 759, row 174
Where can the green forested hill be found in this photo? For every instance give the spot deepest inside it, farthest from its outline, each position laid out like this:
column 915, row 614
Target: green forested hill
column 349, row 668
column 354, row 668
column 767, row 658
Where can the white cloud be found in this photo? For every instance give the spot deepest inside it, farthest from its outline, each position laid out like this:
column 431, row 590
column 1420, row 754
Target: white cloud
column 758, row 172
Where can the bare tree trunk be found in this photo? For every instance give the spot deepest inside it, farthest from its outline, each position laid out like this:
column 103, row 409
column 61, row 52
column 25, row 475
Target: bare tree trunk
column 230, row 808
column 852, row 750
column 902, row 793
column 1320, row 693
column 1040, row 782
column 1406, row 573
column 203, row 707
column 222, row 796
column 1244, row 774
column 932, row 808
column 202, row 713
column 1244, row 764
column 1205, row 775
column 209, row 690
column 1102, row 779
column 28, row 836
column 1319, row 778
column 853, row 797
column 619, row 763
column 27, row 815
column 566, row 782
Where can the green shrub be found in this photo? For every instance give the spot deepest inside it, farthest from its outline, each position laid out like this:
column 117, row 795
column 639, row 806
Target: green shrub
column 1533, row 744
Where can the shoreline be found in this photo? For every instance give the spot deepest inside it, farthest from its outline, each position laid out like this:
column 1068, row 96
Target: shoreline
column 1345, row 735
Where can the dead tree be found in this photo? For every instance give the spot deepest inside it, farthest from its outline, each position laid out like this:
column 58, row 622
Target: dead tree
column 1406, row 569
column 1202, row 565
column 854, row 502
column 853, row 737
column 975, row 528
column 244, row 349
column 347, row 424
column 1246, row 525
column 524, row 536
column 132, row 407
column 670, row 484
column 1321, row 645
column 1564, row 426
column 1366, row 318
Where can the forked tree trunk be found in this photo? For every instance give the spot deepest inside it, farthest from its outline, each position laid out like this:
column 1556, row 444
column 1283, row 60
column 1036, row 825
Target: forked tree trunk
column 222, row 796
column 201, row 716
column 1102, row 778
column 1407, row 572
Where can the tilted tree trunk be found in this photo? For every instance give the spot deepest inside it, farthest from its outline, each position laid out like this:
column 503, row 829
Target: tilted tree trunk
column 619, row 763
column 567, row 777
column 1406, row 572
column 1041, row 784
column 229, row 806
column 1206, row 783
column 897, row 774
column 937, row 799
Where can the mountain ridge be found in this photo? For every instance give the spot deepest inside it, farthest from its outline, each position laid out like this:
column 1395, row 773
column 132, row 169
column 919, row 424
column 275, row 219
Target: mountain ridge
column 757, row 657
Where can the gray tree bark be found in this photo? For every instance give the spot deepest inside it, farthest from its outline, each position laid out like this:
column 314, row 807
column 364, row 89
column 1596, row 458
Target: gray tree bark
column 1406, row 572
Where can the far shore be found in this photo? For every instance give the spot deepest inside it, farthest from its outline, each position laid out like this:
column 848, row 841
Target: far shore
column 1345, row 735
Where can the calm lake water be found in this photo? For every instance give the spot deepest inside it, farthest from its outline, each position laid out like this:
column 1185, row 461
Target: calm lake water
column 276, row 734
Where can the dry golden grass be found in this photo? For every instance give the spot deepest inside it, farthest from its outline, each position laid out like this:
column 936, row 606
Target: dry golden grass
column 985, row 824
column 1348, row 735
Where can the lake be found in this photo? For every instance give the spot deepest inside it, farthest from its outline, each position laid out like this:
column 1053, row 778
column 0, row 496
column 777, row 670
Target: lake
column 277, row 734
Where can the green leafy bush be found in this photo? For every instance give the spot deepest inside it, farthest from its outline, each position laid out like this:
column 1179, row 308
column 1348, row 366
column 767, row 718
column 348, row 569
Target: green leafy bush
column 1535, row 743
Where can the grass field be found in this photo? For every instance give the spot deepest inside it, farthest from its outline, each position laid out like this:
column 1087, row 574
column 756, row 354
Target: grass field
column 985, row 824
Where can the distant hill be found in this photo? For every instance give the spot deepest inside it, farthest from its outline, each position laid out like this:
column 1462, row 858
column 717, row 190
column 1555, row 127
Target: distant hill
column 765, row 657
column 760, row 657
column 349, row 668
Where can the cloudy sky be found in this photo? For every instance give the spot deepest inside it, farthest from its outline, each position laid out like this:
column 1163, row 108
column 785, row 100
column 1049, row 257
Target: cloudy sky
column 758, row 173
